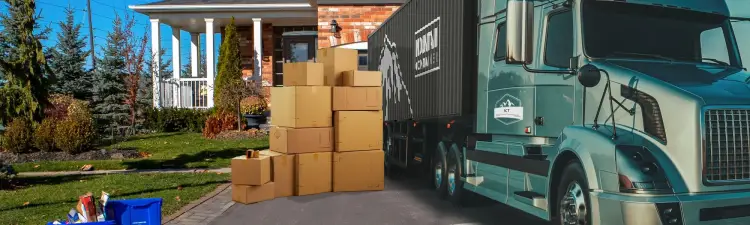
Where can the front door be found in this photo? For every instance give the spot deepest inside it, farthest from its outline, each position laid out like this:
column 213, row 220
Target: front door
column 295, row 48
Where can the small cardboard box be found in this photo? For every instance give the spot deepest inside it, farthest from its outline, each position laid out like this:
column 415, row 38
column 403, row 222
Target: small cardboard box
column 302, row 106
column 303, row 74
column 357, row 98
column 247, row 194
column 301, row 140
column 358, row 130
column 358, row 171
column 283, row 174
column 253, row 171
column 335, row 62
column 313, row 173
column 356, row 78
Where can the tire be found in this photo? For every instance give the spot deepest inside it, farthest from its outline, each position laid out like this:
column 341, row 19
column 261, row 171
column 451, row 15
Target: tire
column 439, row 169
column 455, row 186
column 573, row 181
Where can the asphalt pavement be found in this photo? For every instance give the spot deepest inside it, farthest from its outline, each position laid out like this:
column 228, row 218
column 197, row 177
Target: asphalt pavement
column 404, row 201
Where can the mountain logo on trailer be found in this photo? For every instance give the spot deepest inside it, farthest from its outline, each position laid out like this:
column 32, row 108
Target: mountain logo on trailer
column 427, row 48
column 508, row 110
column 393, row 81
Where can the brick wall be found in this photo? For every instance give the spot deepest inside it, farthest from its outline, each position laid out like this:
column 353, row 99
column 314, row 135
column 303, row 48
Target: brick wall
column 267, row 62
column 357, row 22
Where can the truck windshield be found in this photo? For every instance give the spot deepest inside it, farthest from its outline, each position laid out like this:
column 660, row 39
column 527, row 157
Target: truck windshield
column 617, row 30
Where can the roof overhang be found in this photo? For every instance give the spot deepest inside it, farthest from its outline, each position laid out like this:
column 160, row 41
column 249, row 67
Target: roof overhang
column 219, row 7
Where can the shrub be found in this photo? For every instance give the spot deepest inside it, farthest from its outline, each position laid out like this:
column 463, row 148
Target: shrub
column 220, row 122
column 75, row 134
column 173, row 119
column 18, row 136
column 254, row 105
column 59, row 108
column 44, row 138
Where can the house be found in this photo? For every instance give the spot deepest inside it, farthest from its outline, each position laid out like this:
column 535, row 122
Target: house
column 271, row 32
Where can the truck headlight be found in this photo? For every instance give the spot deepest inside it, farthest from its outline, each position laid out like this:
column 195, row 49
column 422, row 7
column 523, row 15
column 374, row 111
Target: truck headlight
column 639, row 172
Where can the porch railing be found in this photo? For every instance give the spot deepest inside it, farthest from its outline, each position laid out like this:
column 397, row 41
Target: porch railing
column 191, row 93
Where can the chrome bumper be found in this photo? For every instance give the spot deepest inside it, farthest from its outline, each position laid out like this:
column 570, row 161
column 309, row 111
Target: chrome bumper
column 724, row 208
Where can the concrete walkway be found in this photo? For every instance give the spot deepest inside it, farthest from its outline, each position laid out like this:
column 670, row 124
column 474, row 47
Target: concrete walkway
column 100, row 172
column 205, row 209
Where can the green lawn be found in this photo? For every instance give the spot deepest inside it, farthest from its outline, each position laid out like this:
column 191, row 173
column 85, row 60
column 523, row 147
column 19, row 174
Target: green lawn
column 168, row 150
column 47, row 199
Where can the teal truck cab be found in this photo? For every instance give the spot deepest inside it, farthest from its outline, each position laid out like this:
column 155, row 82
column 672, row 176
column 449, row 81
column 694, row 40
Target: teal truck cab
column 611, row 112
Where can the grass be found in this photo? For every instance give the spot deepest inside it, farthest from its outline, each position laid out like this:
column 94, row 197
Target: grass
column 50, row 198
column 168, row 150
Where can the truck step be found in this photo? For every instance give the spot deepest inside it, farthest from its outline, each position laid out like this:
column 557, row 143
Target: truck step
column 531, row 198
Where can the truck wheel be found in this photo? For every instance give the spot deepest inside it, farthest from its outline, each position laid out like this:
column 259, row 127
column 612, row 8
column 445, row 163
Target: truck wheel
column 455, row 185
column 573, row 202
column 439, row 170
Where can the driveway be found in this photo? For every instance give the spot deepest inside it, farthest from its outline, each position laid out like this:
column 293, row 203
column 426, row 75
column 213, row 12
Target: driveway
column 404, row 201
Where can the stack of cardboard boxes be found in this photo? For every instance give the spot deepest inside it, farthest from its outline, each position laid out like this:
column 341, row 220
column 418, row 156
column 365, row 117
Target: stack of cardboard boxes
column 326, row 134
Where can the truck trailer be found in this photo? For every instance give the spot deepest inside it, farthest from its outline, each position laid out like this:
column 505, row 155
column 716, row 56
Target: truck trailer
column 611, row 112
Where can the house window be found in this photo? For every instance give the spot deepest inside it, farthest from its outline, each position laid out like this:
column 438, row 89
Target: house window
column 362, row 59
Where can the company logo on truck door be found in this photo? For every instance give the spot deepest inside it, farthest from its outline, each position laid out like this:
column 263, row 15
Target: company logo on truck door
column 427, row 48
column 508, row 110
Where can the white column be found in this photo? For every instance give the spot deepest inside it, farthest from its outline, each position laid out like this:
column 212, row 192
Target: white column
column 155, row 49
column 195, row 56
column 176, row 66
column 258, row 48
column 210, row 60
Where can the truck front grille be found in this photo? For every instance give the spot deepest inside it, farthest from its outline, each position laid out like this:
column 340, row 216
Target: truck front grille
column 727, row 150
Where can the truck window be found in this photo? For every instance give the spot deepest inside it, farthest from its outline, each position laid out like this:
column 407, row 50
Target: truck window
column 500, row 45
column 559, row 40
column 710, row 49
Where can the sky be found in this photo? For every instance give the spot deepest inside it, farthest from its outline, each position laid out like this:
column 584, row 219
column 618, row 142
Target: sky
column 103, row 13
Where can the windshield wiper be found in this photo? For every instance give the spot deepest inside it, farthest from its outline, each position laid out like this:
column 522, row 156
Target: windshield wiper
column 641, row 54
column 716, row 61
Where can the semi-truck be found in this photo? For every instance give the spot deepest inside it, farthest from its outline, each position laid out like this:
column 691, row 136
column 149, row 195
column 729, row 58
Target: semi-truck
column 611, row 112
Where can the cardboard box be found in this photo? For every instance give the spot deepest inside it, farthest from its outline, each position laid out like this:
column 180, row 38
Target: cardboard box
column 302, row 106
column 358, row 130
column 247, row 194
column 356, row 78
column 357, row 98
column 358, row 171
column 283, row 175
column 313, row 173
column 303, row 74
column 335, row 62
column 301, row 140
column 254, row 171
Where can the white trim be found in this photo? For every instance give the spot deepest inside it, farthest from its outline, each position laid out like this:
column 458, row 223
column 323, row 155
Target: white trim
column 425, row 26
column 355, row 45
column 221, row 6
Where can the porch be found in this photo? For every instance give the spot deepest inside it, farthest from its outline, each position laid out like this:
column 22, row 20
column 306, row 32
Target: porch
column 270, row 32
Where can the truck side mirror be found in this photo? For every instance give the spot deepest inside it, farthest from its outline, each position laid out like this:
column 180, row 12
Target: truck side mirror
column 520, row 39
column 589, row 75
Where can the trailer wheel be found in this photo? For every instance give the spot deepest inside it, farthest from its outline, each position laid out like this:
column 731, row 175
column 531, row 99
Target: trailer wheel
column 455, row 185
column 573, row 202
column 439, row 170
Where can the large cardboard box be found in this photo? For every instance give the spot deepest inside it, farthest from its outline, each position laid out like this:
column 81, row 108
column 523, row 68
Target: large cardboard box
column 303, row 74
column 301, row 106
column 252, row 171
column 301, row 140
column 335, row 62
column 283, row 175
column 313, row 173
column 356, row 78
column 247, row 194
column 358, row 130
column 358, row 171
column 357, row 98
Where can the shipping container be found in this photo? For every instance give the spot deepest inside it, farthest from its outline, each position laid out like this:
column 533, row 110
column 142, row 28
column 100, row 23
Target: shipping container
column 426, row 51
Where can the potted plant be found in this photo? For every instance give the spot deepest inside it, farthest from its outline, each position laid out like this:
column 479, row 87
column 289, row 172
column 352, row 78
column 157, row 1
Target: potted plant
column 254, row 108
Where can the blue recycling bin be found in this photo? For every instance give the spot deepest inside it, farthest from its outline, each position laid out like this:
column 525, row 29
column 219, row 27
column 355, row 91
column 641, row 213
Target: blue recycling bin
column 144, row 211
column 111, row 222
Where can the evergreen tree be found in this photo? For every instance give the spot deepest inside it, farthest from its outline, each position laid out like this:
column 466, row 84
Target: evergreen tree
column 230, row 68
column 69, row 57
column 110, row 109
column 23, row 62
column 187, row 69
column 145, row 98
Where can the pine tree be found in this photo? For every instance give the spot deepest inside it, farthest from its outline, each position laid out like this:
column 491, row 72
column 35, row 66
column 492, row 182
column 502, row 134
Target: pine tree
column 69, row 57
column 110, row 109
column 187, row 69
column 23, row 62
column 230, row 68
